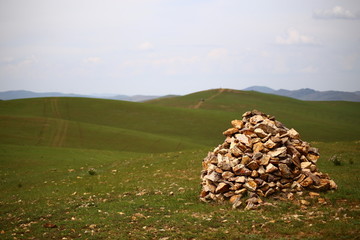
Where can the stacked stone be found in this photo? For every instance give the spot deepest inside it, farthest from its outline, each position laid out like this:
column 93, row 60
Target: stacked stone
column 259, row 158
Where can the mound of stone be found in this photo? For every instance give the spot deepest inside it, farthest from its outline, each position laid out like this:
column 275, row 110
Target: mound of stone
column 261, row 158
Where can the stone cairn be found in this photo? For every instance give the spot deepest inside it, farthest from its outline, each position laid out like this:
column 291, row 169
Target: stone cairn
column 261, row 158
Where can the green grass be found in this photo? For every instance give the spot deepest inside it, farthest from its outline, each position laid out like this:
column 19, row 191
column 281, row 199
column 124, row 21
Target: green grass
column 147, row 161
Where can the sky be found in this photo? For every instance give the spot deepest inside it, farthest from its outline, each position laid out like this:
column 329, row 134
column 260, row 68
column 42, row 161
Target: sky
column 158, row 47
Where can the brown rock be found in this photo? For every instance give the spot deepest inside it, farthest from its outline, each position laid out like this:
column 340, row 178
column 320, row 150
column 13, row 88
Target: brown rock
column 240, row 179
column 254, row 174
column 243, row 139
column 260, row 133
column 293, row 134
column 269, row 144
column 270, row 168
column 312, row 157
column 235, row 151
column 306, row 182
column 222, row 187
column 230, row 131
column 285, row 170
column 314, row 194
column 305, row 165
column 258, row 147
column 227, row 174
column 253, row 165
column 250, row 185
column 269, row 192
column 277, row 152
column 235, row 198
column 265, row 160
column 245, row 159
column 237, row 124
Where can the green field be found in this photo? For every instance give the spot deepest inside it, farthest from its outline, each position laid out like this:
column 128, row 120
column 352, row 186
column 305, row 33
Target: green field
column 147, row 161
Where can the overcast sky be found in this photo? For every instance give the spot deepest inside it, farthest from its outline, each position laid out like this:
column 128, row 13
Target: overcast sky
column 161, row 47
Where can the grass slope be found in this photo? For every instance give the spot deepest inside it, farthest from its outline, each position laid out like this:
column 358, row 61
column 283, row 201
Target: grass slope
column 316, row 121
column 147, row 159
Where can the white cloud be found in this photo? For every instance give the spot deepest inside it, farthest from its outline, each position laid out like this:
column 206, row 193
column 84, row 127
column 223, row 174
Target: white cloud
column 336, row 12
column 309, row 69
column 218, row 52
column 145, row 46
column 293, row 37
column 92, row 60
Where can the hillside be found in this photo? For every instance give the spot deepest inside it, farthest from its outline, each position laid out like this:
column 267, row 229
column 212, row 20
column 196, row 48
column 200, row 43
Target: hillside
column 317, row 121
column 163, row 125
column 82, row 168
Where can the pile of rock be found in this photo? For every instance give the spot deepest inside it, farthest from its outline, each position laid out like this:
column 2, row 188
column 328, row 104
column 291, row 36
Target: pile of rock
column 259, row 158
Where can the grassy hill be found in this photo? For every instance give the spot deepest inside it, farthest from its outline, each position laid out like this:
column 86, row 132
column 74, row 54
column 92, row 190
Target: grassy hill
column 147, row 161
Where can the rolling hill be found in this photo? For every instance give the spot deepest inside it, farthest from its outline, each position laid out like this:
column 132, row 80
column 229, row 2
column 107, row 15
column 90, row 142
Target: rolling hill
column 163, row 125
column 146, row 161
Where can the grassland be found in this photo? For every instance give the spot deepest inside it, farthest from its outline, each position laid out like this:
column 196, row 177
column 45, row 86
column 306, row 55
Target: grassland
column 147, row 160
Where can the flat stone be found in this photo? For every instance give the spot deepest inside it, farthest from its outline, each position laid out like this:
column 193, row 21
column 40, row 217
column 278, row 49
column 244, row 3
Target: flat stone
column 235, row 198
column 306, row 182
column 214, row 177
column 305, row 165
column 285, row 170
column 269, row 192
column 243, row 138
column 240, row 179
column 314, row 194
column 254, row 174
column 312, row 157
column 269, row 144
column 256, row 119
column 304, row 202
column 270, row 168
column 293, row 134
column 277, row 152
column 258, row 147
column 222, row 187
column 265, row 160
column 230, row 131
column 235, row 151
column 245, row 159
column 251, row 186
column 253, row 165
column 260, row 133
column 237, row 124
column 227, row 174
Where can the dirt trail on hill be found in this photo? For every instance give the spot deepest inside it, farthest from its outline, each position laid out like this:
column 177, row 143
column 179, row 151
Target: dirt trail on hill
column 62, row 125
column 201, row 102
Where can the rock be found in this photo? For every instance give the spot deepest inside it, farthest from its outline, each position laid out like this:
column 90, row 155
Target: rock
column 243, row 139
column 269, row 144
column 285, row 170
column 237, row 124
column 270, row 168
column 263, row 158
column 314, row 194
column 304, row 202
column 251, row 185
column 230, row 131
column 227, row 174
column 306, row 182
column 260, row 133
column 258, row 147
column 222, row 187
column 253, row 165
column 214, row 177
column 305, row 165
column 277, row 152
column 293, row 134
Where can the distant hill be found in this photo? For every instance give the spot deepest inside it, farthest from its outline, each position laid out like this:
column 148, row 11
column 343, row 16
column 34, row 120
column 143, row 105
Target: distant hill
column 21, row 94
column 308, row 94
